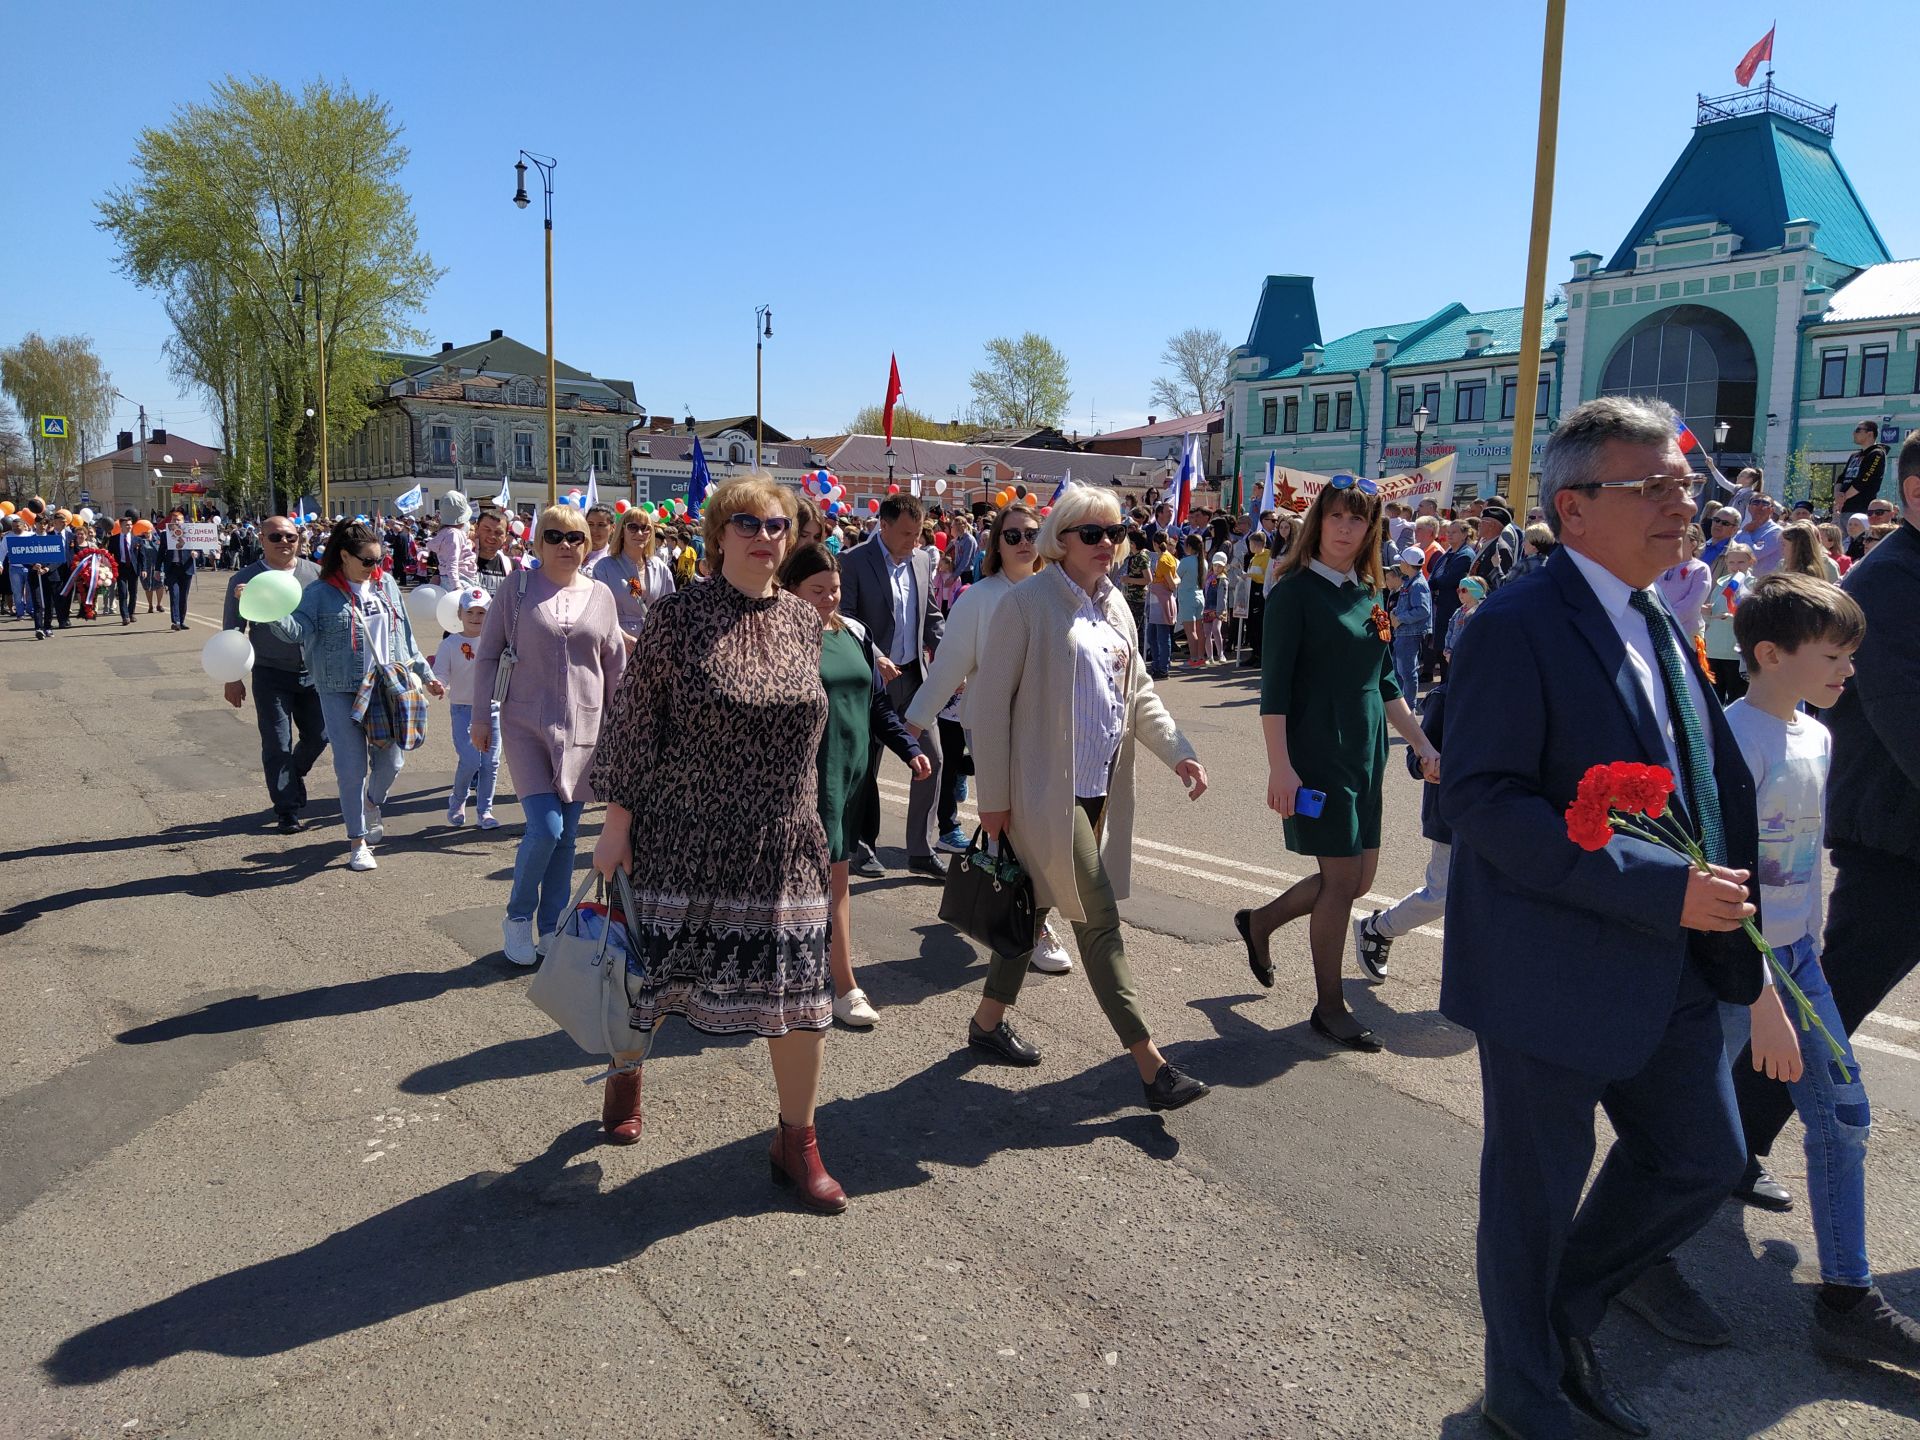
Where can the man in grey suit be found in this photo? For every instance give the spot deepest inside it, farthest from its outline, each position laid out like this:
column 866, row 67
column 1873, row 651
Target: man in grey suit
column 886, row 584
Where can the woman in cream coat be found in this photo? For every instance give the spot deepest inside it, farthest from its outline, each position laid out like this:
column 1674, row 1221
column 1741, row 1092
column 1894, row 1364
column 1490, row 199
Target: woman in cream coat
column 1012, row 546
column 1063, row 647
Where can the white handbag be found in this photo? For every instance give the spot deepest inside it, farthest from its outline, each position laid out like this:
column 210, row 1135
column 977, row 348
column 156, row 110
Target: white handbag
column 582, row 983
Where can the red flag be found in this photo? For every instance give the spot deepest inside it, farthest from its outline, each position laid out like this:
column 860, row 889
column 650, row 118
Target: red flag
column 1762, row 50
column 893, row 394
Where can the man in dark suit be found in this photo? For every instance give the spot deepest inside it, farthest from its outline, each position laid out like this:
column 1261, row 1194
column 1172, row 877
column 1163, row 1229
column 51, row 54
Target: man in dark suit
column 1590, row 978
column 1873, row 816
column 126, row 566
column 178, row 564
column 887, row 585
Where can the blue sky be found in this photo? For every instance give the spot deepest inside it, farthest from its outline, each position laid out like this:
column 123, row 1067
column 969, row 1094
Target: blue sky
column 920, row 178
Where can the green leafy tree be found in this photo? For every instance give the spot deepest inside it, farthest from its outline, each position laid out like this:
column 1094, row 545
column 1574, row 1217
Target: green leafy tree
column 908, row 423
column 58, row 376
column 1024, row 382
column 239, row 205
column 1196, row 381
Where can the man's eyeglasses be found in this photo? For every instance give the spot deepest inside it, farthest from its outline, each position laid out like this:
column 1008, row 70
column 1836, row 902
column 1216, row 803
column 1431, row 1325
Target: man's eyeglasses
column 1650, row 487
column 1351, row 482
column 1725, row 520
column 1014, row 535
column 564, row 537
column 748, row 526
column 1094, row 534
column 280, row 537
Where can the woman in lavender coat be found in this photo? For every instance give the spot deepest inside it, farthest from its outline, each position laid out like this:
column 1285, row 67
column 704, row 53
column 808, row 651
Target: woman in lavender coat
column 566, row 633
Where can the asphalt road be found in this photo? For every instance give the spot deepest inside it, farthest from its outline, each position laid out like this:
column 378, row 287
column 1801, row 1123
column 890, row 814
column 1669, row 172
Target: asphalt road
column 285, row 1152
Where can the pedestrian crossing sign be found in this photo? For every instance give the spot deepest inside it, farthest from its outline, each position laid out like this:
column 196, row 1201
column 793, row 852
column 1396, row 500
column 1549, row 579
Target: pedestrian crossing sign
column 53, row 427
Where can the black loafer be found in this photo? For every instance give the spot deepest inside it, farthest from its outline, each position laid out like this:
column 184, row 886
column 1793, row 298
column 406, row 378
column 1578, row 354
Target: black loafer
column 932, row 865
column 1366, row 1041
column 1003, row 1040
column 1170, row 1089
column 1262, row 971
column 1587, row 1388
column 1760, row 1190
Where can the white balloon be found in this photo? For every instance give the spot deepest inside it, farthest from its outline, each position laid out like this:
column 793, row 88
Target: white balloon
column 423, row 605
column 447, row 611
column 227, row 656
column 940, row 486
column 86, row 513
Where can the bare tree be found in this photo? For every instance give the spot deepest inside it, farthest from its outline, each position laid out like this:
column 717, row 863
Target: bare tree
column 1024, row 382
column 1197, row 360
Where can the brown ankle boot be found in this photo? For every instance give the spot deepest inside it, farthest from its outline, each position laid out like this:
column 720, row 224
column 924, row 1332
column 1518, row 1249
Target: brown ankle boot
column 620, row 1110
column 796, row 1162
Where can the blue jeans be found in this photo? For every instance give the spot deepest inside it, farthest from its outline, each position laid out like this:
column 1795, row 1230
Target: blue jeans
column 1835, row 1113
column 473, row 766
column 21, row 580
column 1159, row 650
column 1406, row 664
column 364, row 775
column 292, row 734
column 543, row 866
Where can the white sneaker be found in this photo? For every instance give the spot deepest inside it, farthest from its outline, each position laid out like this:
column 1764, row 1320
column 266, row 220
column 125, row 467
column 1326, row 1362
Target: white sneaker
column 362, row 858
column 852, row 1009
column 376, row 827
column 517, row 940
column 1049, row 955
column 457, row 815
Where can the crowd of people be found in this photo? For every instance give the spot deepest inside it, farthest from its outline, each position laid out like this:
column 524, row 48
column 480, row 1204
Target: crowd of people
column 767, row 654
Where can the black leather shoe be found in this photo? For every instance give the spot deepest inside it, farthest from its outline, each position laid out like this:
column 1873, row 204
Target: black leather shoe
column 1262, row 970
column 1003, row 1040
column 932, row 865
column 1170, row 1089
column 1662, row 1297
column 1760, row 1190
column 288, row 825
column 1366, row 1042
column 1587, row 1388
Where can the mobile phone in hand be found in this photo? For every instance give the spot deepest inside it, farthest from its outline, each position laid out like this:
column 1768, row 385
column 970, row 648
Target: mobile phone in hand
column 1309, row 802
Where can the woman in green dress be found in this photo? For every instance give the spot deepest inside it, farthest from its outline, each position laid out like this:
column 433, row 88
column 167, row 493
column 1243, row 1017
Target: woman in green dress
column 857, row 708
column 1327, row 694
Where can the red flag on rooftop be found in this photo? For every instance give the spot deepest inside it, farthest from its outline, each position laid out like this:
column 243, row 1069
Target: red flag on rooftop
column 1762, row 50
column 893, row 394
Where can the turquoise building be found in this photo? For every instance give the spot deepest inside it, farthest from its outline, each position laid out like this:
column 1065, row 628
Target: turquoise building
column 1752, row 292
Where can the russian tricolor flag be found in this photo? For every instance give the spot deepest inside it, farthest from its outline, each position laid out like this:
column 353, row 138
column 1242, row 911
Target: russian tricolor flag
column 1688, row 440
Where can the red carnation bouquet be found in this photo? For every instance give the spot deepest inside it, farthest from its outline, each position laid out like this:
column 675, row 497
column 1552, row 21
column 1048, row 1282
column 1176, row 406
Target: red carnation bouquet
column 1629, row 799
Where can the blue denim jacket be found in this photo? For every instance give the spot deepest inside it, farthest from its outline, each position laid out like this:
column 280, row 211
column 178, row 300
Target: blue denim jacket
column 324, row 628
column 1414, row 607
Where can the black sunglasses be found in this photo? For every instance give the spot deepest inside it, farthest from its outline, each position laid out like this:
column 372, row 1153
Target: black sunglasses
column 748, row 526
column 283, row 537
column 639, row 527
column 1013, row 535
column 1094, row 534
column 373, row 559
column 564, row 537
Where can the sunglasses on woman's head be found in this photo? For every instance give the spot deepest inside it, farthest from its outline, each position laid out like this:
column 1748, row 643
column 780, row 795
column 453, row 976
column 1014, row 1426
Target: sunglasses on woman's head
column 1094, row 534
column 1350, row 482
column 1013, row 535
column 564, row 537
column 748, row 526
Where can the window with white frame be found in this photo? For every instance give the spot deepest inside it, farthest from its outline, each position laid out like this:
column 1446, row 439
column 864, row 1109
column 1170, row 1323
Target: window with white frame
column 1343, row 411
column 1873, row 370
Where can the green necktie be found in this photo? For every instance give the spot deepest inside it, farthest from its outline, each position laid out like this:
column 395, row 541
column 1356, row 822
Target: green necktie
column 1703, row 795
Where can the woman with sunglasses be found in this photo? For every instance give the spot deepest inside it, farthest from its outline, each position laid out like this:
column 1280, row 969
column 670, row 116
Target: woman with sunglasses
column 569, row 653
column 730, row 881
column 349, row 620
column 1060, row 699
column 1327, row 694
column 635, row 571
column 1011, row 555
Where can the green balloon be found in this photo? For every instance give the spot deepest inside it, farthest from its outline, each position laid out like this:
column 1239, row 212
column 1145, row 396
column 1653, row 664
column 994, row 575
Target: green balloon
column 271, row 595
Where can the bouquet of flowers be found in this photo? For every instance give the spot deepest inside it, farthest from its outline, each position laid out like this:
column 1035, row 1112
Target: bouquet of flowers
column 1629, row 799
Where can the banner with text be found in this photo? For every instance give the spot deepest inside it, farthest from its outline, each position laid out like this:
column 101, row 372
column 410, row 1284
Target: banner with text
column 1295, row 489
column 203, row 535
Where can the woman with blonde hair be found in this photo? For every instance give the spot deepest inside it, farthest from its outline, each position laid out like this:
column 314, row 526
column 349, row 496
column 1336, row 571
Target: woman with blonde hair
column 564, row 632
column 635, row 571
column 1801, row 553
column 1060, row 700
column 1327, row 695
column 731, row 908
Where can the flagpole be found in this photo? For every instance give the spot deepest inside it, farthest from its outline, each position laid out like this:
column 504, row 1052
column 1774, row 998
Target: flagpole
column 1534, row 300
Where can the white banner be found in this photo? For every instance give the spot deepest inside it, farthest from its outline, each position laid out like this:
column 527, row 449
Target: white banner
column 204, row 536
column 1295, row 489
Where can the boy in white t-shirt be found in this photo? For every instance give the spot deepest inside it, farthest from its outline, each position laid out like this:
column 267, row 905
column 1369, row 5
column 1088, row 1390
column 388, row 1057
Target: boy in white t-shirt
column 1798, row 635
column 453, row 663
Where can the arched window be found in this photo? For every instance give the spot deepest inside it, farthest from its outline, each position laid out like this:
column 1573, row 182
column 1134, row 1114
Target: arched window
column 736, row 453
column 1699, row 362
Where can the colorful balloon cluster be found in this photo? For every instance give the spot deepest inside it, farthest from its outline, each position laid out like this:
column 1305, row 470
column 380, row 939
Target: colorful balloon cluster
column 824, row 486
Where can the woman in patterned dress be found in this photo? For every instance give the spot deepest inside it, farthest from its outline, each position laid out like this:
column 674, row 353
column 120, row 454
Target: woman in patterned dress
column 730, row 873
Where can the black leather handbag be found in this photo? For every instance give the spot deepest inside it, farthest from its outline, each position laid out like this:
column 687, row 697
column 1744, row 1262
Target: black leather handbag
column 989, row 898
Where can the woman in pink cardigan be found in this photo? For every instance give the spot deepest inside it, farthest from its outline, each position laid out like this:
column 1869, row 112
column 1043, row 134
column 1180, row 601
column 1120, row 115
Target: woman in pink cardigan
column 566, row 633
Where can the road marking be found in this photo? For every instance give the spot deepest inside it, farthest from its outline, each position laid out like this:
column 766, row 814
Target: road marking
column 897, row 793
column 1884, row 1047
column 1897, row 1022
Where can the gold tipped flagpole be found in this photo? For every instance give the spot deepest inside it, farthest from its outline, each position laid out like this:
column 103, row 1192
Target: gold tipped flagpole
column 1527, row 391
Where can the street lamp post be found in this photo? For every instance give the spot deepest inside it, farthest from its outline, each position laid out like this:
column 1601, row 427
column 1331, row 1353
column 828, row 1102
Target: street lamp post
column 891, row 457
column 762, row 331
column 1420, row 418
column 544, row 164
column 320, row 337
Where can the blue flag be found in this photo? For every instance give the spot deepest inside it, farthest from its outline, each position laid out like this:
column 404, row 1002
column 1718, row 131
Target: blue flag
column 702, row 481
column 409, row 502
column 1060, row 489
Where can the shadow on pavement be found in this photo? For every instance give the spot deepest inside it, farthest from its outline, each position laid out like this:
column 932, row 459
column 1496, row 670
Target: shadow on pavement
column 174, row 836
column 255, row 1012
column 492, row 1229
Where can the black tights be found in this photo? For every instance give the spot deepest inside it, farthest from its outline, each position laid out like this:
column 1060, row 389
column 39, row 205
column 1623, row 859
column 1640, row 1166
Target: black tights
column 1329, row 898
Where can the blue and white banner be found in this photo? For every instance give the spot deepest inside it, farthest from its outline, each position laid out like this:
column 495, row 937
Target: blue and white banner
column 409, row 502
